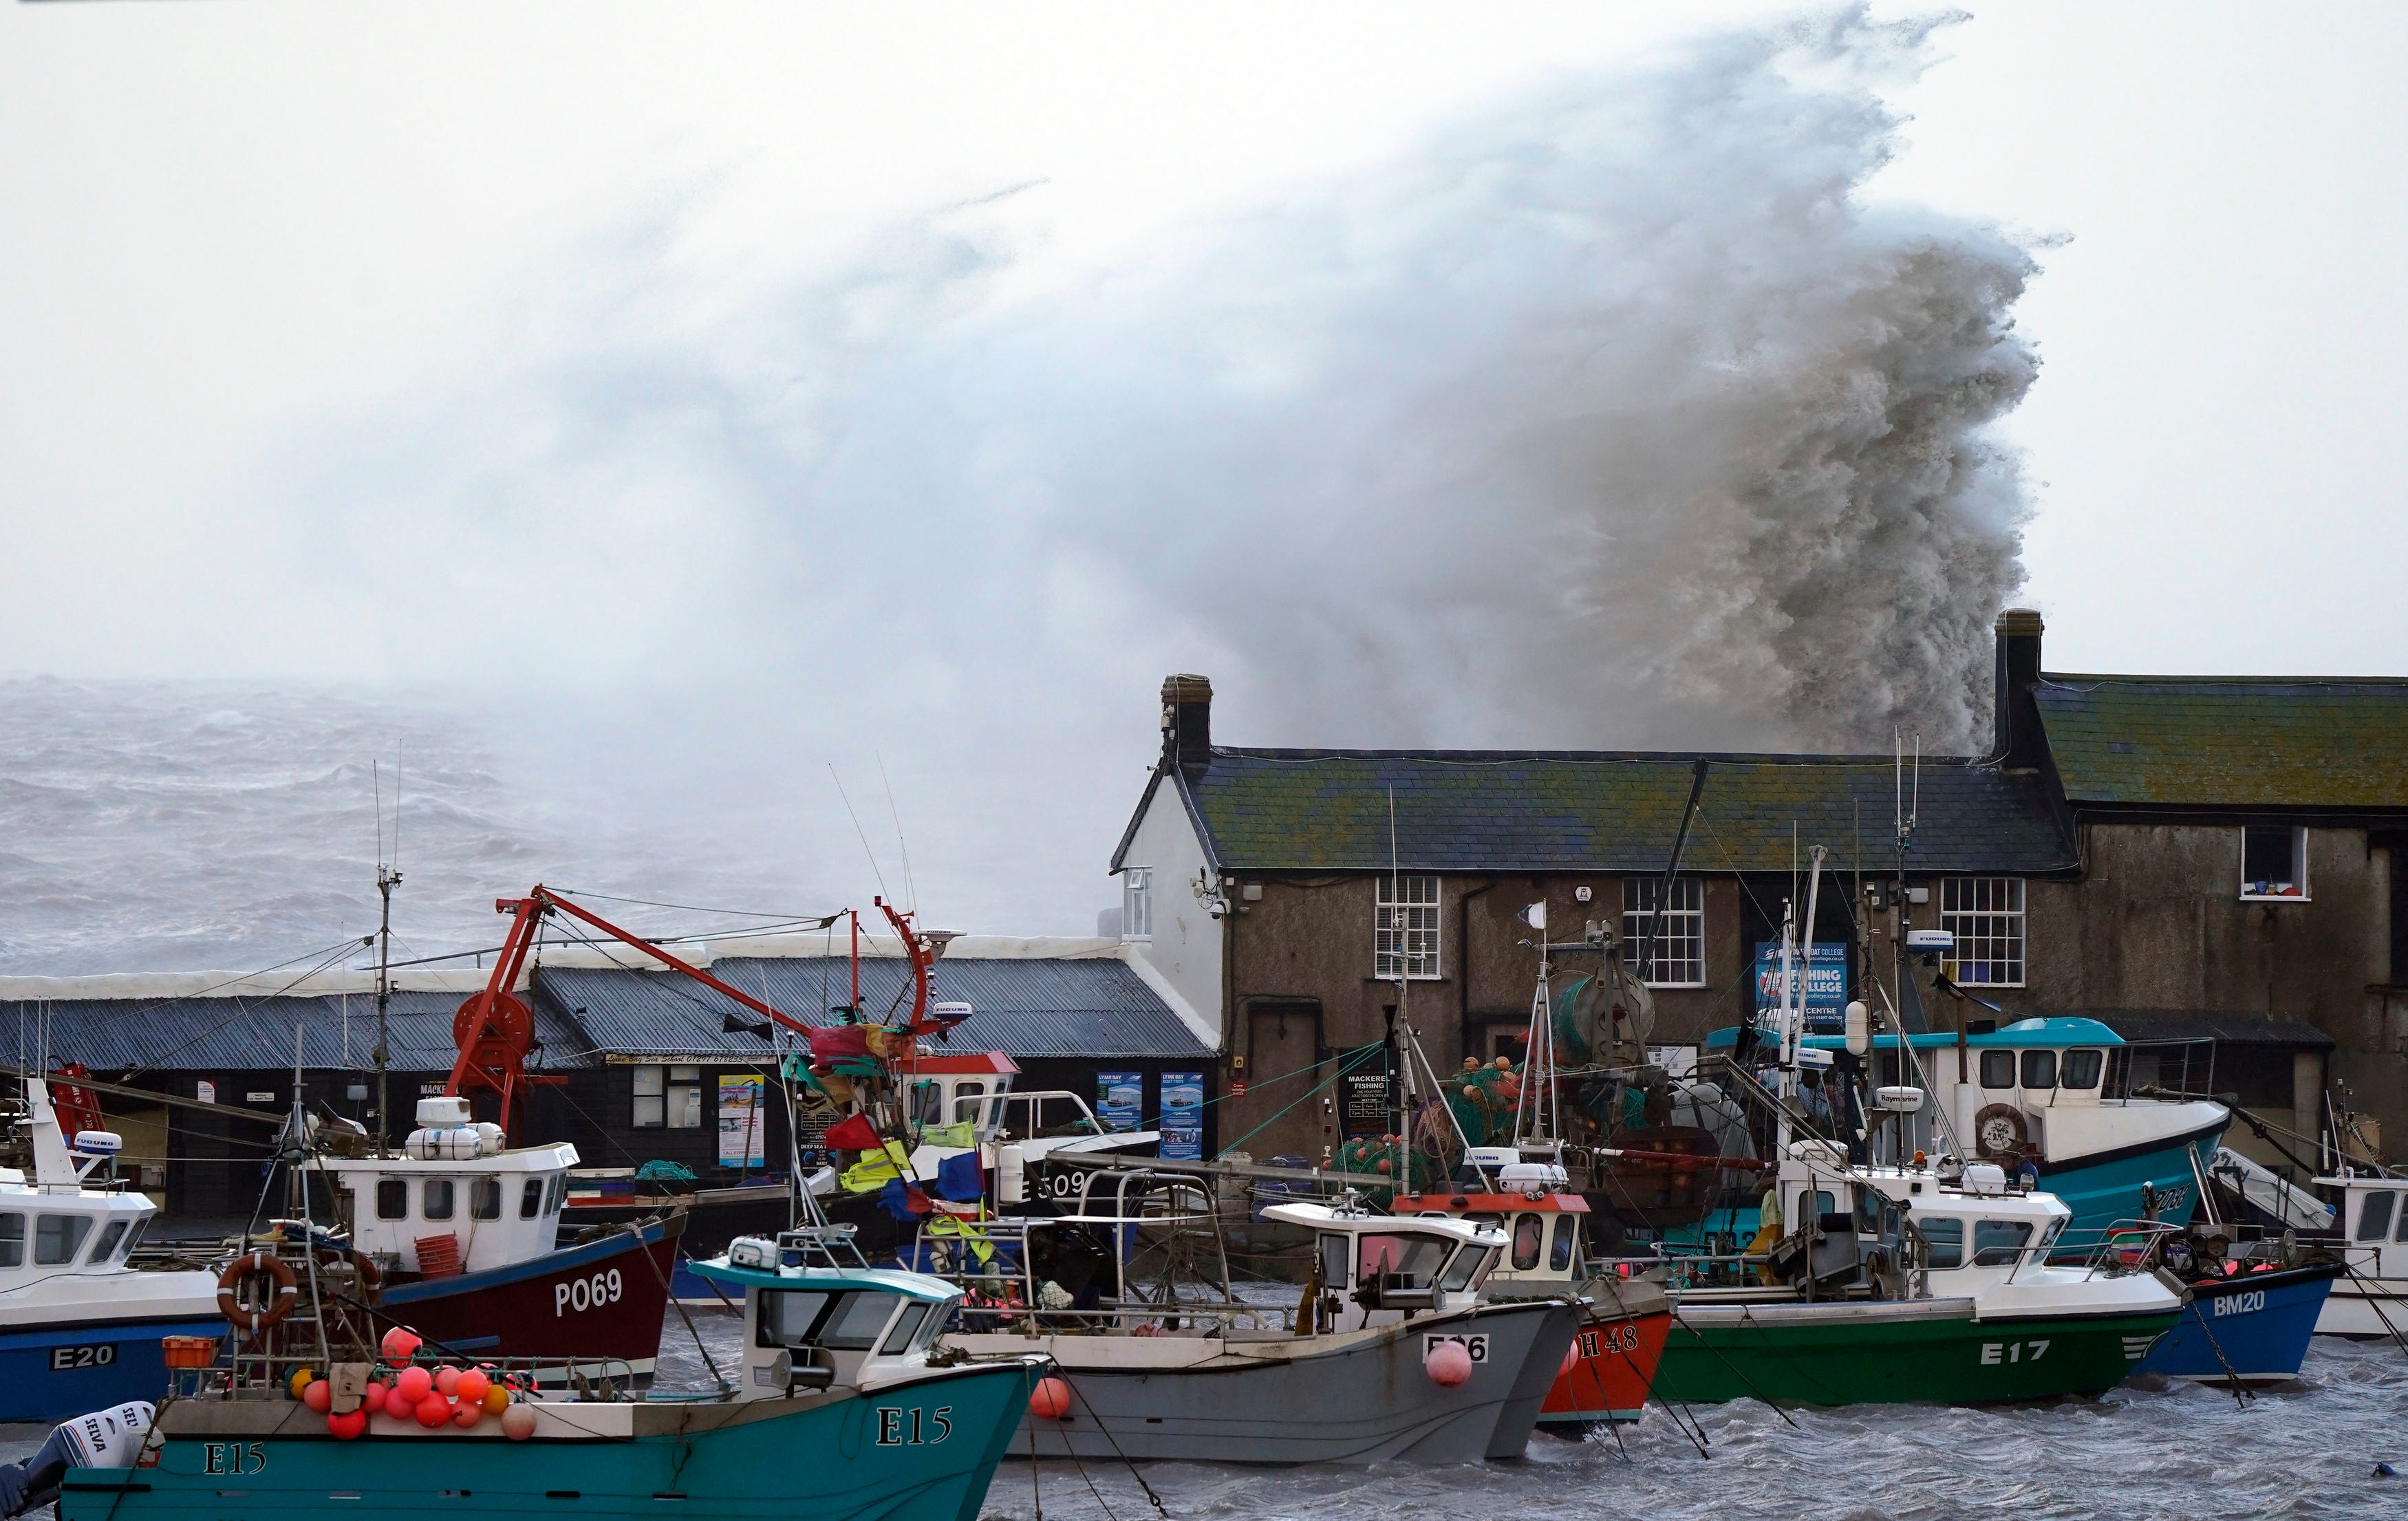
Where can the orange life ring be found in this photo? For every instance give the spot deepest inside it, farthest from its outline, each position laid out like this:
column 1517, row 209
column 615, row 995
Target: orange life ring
column 279, row 1305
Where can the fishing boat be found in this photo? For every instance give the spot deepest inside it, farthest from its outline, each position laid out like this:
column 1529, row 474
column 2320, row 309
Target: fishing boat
column 80, row 1329
column 838, row 1414
column 2251, row 1311
column 2371, row 1300
column 1392, row 1353
column 1900, row 1285
column 2047, row 1092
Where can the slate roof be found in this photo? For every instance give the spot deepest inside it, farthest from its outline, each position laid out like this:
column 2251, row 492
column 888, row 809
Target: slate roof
column 1029, row 1006
column 224, row 1034
column 2228, row 741
column 1306, row 810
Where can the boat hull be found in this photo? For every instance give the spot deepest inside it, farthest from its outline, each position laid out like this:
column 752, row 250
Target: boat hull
column 55, row 1372
column 879, row 1456
column 2366, row 1308
column 1614, row 1367
column 2104, row 1190
column 1360, row 1398
column 599, row 1304
column 2254, row 1328
column 1927, row 1351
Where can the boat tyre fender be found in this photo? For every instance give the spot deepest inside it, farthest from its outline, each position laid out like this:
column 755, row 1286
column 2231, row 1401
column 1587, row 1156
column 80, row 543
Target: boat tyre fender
column 1999, row 1131
column 239, row 1274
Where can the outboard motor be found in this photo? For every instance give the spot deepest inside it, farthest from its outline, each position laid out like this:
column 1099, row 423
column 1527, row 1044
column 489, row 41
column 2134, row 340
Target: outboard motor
column 106, row 1439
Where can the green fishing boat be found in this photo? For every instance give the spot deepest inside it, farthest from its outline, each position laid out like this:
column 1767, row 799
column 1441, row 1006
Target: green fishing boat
column 1901, row 1287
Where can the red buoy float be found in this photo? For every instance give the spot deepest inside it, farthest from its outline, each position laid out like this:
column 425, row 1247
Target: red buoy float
column 1571, row 1358
column 433, row 1411
column 318, row 1395
column 1050, row 1399
column 401, row 1343
column 414, row 1385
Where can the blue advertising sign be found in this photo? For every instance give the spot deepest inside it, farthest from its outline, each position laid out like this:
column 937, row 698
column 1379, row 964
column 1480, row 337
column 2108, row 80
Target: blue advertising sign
column 1120, row 1099
column 1183, row 1116
column 1825, row 967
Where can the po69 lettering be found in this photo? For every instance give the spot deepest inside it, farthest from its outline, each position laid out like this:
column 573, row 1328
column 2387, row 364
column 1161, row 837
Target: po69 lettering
column 586, row 1293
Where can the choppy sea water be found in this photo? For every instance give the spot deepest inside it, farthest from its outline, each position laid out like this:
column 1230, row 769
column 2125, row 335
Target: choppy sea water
column 2181, row 1453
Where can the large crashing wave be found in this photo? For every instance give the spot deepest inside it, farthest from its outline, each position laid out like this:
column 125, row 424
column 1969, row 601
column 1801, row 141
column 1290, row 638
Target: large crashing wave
column 1609, row 415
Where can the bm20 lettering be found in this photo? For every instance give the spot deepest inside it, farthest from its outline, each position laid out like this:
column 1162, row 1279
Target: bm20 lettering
column 586, row 1293
column 927, row 1427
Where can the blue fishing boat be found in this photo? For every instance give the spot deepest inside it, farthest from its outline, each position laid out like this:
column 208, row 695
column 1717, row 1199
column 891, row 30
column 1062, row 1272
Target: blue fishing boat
column 2058, row 1095
column 836, row 1413
column 79, row 1330
column 2250, row 1327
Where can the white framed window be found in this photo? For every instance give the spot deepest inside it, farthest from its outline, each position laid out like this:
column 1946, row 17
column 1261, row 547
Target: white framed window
column 1681, row 948
column 1987, row 916
column 669, row 1097
column 685, row 1097
column 1405, row 928
column 2273, row 861
column 650, row 1108
column 1137, row 903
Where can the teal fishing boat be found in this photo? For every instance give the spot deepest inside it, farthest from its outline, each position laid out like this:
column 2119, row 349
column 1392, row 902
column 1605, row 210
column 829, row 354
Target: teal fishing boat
column 839, row 1413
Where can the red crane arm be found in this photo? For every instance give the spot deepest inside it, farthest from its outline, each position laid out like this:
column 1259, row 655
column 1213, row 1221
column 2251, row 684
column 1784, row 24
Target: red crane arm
column 553, row 900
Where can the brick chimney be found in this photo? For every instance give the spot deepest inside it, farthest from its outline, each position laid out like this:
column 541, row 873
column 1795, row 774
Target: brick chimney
column 2016, row 743
column 1186, row 723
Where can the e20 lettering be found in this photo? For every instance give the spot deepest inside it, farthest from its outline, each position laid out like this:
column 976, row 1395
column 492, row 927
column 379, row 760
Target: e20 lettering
column 586, row 1293
column 926, row 1428
column 65, row 1359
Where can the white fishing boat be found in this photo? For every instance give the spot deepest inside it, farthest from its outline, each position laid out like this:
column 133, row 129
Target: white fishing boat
column 2370, row 1298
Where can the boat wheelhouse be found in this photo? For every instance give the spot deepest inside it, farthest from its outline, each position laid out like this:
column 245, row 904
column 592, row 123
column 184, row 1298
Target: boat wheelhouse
column 2374, row 1241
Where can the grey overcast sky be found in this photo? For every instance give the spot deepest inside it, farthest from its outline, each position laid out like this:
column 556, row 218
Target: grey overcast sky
column 230, row 224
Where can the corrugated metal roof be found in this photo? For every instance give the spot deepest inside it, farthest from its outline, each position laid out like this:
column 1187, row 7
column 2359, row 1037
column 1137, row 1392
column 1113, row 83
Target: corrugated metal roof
column 220, row 1034
column 2228, row 741
column 1578, row 810
column 1028, row 1007
column 2233, row 1029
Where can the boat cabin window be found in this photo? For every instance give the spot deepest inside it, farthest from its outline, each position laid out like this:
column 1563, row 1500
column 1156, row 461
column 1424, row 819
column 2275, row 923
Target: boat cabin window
column 485, row 1198
column 899, row 1339
column 2374, row 1216
column 1997, row 1243
column 928, row 1103
column 1997, row 1068
column 1464, row 1271
column 2040, row 1069
column 967, row 1100
column 393, row 1199
column 1560, row 1250
column 12, row 1241
column 1334, row 1252
column 1404, row 1261
column 107, row 1243
column 531, row 1196
column 559, row 1194
column 841, row 1322
column 437, row 1198
column 1528, row 1229
column 2081, row 1068
column 133, row 1237
column 1944, row 1242
column 57, row 1237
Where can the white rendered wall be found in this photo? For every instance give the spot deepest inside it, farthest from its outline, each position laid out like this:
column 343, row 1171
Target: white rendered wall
column 1185, row 950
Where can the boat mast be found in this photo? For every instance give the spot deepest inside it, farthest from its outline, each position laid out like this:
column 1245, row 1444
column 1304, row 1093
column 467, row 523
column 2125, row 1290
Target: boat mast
column 387, row 879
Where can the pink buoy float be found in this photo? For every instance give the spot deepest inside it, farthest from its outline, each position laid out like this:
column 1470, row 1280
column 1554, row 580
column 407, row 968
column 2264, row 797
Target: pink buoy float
column 1448, row 1365
column 518, row 1423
